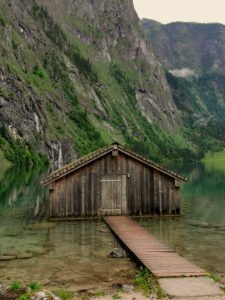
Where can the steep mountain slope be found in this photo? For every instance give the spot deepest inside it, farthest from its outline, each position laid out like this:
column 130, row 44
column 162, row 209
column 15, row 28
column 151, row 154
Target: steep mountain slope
column 194, row 54
column 75, row 75
column 194, row 46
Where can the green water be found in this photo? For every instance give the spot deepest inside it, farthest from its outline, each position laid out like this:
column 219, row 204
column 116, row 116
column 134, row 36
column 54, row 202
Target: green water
column 76, row 253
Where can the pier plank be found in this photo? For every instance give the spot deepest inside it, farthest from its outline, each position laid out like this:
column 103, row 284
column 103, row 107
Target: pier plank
column 156, row 256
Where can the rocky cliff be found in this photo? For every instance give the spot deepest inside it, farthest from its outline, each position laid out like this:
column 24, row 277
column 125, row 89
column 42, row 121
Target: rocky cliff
column 194, row 54
column 194, row 47
column 77, row 75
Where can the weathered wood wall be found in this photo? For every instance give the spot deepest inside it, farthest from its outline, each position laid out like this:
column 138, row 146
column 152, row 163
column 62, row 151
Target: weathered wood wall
column 144, row 189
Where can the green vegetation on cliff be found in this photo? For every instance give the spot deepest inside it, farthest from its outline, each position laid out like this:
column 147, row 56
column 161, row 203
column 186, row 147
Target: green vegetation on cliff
column 68, row 89
column 201, row 101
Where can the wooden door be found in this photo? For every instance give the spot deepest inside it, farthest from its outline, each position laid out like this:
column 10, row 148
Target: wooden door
column 113, row 194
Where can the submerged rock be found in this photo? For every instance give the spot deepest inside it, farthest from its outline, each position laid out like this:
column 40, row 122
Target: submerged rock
column 9, row 253
column 5, row 258
column 104, row 230
column 198, row 223
column 40, row 226
column 24, row 255
column 221, row 228
column 118, row 253
column 14, row 255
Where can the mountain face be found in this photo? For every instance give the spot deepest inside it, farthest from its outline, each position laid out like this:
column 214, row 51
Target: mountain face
column 194, row 55
column 75, row 75
column 199, row 48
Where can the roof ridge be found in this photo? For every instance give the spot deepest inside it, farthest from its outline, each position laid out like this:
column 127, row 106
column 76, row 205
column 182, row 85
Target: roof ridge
column 84, row 159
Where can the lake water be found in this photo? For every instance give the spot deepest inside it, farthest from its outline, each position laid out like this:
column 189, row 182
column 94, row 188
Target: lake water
column 76, row 253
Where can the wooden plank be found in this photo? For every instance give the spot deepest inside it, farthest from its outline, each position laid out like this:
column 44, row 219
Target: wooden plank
column 124, row 194
column 156, row 256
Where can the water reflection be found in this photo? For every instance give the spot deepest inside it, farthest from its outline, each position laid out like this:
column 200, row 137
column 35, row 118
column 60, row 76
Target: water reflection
column 20, row 189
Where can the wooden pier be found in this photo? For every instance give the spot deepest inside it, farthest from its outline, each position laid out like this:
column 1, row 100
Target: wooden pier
column 156, row 256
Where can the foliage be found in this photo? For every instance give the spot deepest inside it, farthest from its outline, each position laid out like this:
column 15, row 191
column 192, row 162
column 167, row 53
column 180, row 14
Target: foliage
column 85, row 28
column 34, row 286
column 15, row 286
column 146, row 282
column 201, row 98
column 122, row 80
column 25, row 297
column 2, row 19
column 87, row 131
column 15, row 40
column 114, row 83
column 142, row 280
column 215, row 277
column 19, row 152
column 58, row 73
column 56, row 35
column 37, row 70
column 63, row 294
column 116, row 296
column 99, row 294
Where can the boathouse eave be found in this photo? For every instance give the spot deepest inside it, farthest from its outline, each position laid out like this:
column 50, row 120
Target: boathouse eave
column 83, row 161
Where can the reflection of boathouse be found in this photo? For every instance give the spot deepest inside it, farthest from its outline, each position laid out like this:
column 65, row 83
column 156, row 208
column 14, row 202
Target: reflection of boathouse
column 113, row 181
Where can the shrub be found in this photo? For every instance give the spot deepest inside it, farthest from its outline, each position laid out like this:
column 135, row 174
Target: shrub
column 15, row 286
column 34, row 286
column 64, row 294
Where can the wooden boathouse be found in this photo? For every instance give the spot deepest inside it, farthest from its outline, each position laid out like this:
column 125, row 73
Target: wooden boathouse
column 113, row 181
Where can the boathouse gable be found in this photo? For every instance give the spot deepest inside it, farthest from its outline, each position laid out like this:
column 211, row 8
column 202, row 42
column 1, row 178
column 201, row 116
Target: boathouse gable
column 113, row 181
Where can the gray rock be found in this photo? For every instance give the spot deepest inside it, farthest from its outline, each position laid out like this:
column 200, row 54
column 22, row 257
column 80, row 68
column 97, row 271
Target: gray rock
column 118, row 253
column 127, row 288
column 44, row 295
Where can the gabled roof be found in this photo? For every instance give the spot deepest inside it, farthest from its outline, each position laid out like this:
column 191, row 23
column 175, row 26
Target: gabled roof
column 81, row 162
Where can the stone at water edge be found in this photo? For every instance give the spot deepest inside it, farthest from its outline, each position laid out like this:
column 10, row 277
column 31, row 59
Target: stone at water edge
column 118, row 253
column 44, row 295
column 127, row 288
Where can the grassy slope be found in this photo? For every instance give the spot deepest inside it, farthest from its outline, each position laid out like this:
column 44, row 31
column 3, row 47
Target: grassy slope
column 201, row 101
column 215, row 161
